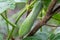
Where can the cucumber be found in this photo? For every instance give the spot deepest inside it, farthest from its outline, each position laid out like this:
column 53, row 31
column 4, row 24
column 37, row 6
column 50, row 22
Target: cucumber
column 28, row 22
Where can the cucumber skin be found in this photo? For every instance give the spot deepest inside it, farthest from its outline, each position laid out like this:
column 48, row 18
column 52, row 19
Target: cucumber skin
column 28, row 22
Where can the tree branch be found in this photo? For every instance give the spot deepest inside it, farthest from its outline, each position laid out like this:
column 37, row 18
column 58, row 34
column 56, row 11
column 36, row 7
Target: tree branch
column 48, row 15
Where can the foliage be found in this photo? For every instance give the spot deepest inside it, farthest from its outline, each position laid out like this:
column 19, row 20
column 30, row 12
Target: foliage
column 43, row 36
column 1, row 37
column 9, row 25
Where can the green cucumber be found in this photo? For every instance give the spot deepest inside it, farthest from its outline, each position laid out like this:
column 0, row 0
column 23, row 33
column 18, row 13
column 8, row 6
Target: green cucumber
column 28, row 22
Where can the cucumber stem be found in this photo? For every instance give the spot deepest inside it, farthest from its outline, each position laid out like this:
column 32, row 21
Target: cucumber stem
column 7, row 22
column 23, row 11
column 13, row 25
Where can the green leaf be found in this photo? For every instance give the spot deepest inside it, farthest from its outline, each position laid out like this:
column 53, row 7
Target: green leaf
column 57, row 30
column 39, row 36
column 51, row 36
column 1, row 37
column 57, row 37
column 46, row 29
column 3, row 0
column 11, row 4
column 59, row 1
column 21, row 1
column 53, row 22
column 46, row 2
column 20, row 5
column 5, row 5
column 57, row 17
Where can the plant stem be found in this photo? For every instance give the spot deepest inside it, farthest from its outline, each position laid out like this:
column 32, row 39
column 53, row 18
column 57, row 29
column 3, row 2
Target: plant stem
column 13, row 25
column 7, row 22
column 23, row 11
column 51, row 25
column 28, row 10
column 19, row 16
column 10, row 34
column 41, row 17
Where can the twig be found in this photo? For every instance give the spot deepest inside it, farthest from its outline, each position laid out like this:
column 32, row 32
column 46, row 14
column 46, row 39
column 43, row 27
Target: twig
column 56, row 7
column 10, row 34
column 23, row 11
column 7, row 22
column 49, row 14
column 28, row 10
column 51, row 25
column 13, row 25
column 19, row 16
